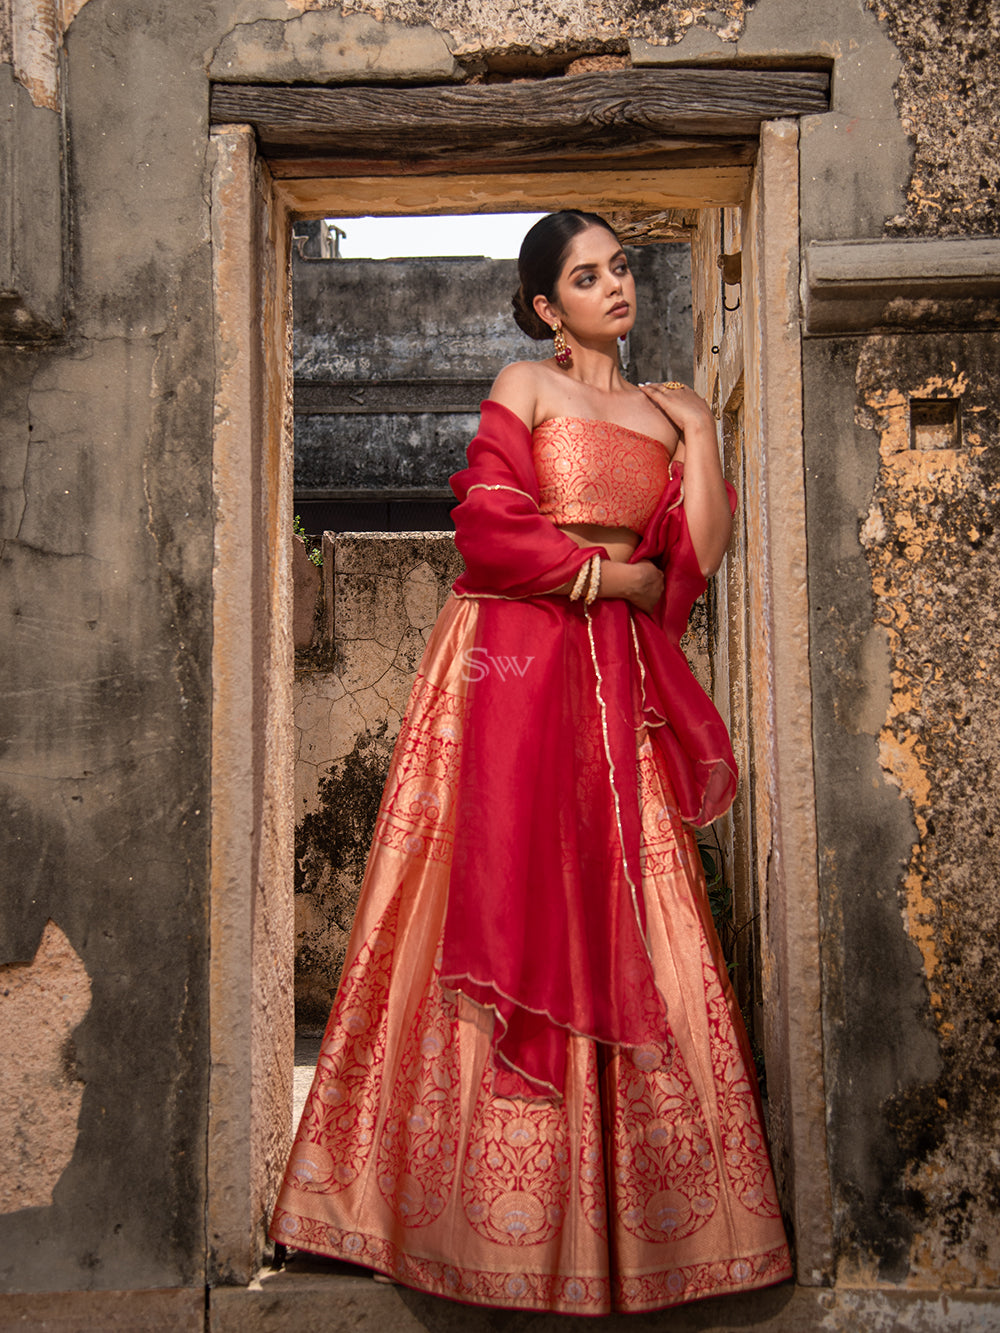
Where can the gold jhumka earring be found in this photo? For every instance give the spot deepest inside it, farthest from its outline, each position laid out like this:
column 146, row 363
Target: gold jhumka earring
column 563, row 354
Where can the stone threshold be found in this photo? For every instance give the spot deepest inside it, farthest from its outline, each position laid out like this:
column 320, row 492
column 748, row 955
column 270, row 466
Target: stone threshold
column 314, row 1296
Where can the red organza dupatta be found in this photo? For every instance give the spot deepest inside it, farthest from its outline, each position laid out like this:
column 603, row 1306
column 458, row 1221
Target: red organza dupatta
column 545, row 914
column 545, row 921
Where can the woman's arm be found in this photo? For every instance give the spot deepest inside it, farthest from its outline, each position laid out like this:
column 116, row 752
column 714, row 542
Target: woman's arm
column 640, row 583
column 706, row 500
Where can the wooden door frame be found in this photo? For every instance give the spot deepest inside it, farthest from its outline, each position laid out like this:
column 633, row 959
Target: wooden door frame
column 252, row 938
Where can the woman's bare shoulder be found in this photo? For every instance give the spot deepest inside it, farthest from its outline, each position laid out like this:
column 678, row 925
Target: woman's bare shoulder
column 517, row 388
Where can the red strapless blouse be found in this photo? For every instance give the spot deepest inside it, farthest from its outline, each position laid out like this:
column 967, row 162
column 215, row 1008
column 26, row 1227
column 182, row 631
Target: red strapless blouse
column 598, row 472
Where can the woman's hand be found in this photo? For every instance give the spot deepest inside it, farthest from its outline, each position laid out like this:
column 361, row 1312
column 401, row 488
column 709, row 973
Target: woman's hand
column 641, row 583
column 684, row 408
column 648, row 587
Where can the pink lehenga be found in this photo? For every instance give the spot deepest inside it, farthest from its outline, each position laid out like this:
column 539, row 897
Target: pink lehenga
column 535, row 1089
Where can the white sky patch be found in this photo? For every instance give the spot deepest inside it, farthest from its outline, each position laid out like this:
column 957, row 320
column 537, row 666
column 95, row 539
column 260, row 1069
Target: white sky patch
column 496, row 235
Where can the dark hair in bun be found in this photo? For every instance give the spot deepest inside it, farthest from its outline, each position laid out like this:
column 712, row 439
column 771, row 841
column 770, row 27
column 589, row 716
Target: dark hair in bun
column 543, row 254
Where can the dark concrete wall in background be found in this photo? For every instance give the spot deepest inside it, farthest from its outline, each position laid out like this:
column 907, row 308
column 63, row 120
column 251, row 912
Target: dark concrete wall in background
column 397, row 333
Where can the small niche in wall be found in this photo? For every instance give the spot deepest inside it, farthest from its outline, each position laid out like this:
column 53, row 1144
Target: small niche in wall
column 935, row 423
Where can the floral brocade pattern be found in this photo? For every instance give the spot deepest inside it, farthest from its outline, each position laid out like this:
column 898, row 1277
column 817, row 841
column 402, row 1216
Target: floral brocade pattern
column 598, row 472
column 664, row 848
column 416, row 814
column 745, row 1154
column 645, row 1186
column 526, row 1290
column 666, row 1173
column 337, row 1129
column 688, row 1282
column 592, row 1187
column 419, row 1139
column 516, row 1177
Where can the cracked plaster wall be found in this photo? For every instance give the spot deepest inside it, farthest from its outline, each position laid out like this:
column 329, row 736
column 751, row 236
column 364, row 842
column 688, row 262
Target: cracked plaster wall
column 386, row 593
column 930, row 541
column 105, row 500
column 475, row 30
column 910, row 986
column 947, row 94
column 902, row 593
column 105, row 606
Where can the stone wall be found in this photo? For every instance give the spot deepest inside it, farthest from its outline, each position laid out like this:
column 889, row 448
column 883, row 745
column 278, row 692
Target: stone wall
column 115, row 369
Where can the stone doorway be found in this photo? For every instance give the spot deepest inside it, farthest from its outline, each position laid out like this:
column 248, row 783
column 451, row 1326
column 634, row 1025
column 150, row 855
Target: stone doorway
column 251, row 927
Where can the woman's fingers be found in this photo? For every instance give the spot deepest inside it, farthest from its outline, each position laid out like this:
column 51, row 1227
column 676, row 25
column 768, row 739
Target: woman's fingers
column 672, row 393
column 649, row 586
column 667, row 398
column 678, row 402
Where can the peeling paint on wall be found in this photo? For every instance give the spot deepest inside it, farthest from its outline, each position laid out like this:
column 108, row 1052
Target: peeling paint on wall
column 930, row 539
column 557, row 25
column 41, row 1003
column 327, row 45
column 37, row 28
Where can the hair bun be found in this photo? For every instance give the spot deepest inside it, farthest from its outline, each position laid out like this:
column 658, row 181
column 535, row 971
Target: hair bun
column 527, row 318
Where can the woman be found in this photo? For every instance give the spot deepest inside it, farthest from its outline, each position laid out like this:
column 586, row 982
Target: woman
column 535, row 1090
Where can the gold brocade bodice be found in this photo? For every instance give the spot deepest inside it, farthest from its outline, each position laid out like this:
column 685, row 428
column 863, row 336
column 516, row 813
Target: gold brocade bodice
column 598, row 472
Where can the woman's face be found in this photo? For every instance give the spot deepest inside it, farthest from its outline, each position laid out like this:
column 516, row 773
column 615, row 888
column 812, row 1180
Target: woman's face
column 595, row 293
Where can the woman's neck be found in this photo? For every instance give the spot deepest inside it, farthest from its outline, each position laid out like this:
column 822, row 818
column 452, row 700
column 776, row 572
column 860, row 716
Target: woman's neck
column 596, row 368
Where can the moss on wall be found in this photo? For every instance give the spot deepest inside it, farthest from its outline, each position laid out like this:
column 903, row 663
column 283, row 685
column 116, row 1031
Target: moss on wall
column 331, row 848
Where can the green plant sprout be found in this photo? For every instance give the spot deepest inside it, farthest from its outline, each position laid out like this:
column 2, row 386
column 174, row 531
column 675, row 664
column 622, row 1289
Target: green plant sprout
column 314, row 545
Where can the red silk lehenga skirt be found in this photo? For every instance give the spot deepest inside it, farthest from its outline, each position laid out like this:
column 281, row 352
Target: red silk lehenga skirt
column 647, row 1184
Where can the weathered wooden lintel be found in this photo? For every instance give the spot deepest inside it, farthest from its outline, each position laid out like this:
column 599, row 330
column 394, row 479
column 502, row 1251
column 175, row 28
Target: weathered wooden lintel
column 655, row 153
column 609, row 111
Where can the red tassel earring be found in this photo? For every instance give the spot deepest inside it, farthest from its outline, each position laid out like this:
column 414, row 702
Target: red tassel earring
column 564, row 356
